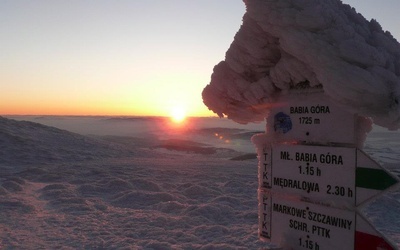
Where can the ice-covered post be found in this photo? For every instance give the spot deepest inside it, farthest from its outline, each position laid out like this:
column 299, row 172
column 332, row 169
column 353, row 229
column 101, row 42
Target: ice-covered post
column 313, row 176
column 315, row 69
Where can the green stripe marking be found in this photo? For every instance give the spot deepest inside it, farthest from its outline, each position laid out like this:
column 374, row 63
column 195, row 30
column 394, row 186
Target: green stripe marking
column 374, row 178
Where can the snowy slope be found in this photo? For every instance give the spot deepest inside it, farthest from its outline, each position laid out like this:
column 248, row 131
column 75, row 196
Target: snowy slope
column 93, row 196
column 153, row 198
column 26, row 142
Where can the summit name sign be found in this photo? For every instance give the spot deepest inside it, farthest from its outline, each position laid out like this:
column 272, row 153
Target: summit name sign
column 312, row 178
column 308, row 119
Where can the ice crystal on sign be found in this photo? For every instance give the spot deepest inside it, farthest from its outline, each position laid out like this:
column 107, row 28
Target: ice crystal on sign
column 284, row 45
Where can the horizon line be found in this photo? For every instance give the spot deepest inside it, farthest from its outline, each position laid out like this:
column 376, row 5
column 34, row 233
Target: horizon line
column 129, row 116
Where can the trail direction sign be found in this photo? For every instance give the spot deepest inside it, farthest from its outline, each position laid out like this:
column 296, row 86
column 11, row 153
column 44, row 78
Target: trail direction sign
column 313, row 178
column 371, row 178
column 336, row 176
column 302, row 225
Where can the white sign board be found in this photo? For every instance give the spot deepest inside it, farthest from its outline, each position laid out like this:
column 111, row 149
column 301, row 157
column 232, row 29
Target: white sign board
column 336, row 176
column 312, row 177
column 302, row 225
column 313, row 118
column 315, row 172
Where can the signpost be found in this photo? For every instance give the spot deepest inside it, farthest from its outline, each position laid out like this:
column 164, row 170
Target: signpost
column 311, row 118
column 302, row 225
column 338, row 176
column 312, row 178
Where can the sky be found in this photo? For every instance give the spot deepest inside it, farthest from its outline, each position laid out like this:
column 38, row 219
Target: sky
column 98, row 57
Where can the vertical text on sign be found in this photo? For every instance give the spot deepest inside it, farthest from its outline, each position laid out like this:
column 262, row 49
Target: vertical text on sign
column 265, row 168
column 265, row 213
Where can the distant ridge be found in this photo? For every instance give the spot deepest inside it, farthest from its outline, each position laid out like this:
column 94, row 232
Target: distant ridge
column 24, row 142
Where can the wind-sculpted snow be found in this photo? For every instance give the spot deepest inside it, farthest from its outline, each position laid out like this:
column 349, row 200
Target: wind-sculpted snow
column 285, row 45
column 153, row 198
column 127, row 196
column 164, row 202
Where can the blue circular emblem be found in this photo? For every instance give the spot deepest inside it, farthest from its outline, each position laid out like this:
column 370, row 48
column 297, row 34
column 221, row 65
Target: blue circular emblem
column 282, row 123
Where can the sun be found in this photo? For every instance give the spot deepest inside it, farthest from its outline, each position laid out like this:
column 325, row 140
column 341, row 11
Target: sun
column 178, row 114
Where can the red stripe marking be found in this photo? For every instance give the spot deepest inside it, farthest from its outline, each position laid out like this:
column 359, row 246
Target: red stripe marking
column 364, row 241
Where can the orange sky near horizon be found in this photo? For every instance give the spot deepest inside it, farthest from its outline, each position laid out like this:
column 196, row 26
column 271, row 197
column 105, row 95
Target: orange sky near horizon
column 127, row 100
column 131, row 58
column 82, row 107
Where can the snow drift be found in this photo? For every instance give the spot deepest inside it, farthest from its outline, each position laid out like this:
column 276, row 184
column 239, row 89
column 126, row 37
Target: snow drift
column 64, row 190
column 29, row 143
column 284, row 45
column 116, row 192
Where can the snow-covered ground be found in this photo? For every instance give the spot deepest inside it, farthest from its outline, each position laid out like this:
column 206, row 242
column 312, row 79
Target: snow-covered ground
column 144, row 183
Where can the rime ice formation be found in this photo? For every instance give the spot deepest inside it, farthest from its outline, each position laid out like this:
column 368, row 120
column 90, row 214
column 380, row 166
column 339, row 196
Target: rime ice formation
column 285, row 45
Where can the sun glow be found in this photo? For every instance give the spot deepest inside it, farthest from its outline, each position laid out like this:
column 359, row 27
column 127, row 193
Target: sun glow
column 178, row 114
